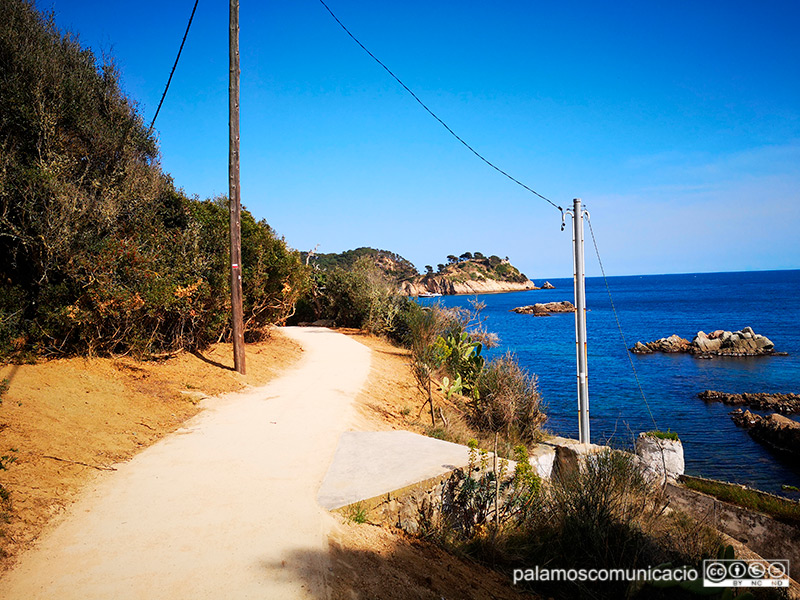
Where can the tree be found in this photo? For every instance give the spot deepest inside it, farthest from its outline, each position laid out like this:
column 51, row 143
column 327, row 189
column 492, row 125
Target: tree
column 466, row 256
column 478, row 256
column 440, row 266
column 452, row 258
column 428, row 270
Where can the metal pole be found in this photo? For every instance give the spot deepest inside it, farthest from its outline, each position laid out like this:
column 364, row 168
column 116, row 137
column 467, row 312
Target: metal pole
column 234, row 191
column 580, row 324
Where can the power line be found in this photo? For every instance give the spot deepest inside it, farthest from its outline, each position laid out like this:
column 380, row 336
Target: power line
column 431, row 113
column 171, row 73
column 619, row 325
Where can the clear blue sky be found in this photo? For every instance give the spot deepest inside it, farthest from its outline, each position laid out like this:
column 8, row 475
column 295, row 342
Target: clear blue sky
column 678, row 123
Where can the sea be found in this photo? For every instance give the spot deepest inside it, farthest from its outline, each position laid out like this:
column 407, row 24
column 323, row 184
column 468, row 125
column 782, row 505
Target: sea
column 650, row 307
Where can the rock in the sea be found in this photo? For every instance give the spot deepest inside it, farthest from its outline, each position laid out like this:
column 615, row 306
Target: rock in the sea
column 786, row 404
column 669, row 344
column 780, row 434
column 548, row 286
column 659, row 456
column 545, row 310
column 718, row 343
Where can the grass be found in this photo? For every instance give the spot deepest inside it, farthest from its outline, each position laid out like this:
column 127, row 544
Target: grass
column 663, row 435
column 780, row 509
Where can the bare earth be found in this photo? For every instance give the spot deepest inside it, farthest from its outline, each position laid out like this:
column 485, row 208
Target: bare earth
column 66, row 421
column 197, row 515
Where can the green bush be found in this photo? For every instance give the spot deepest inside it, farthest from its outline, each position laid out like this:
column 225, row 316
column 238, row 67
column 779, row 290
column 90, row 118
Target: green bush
column 360, row 296
column 99, row 253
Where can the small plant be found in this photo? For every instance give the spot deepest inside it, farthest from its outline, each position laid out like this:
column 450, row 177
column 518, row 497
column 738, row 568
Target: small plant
column 480, row 496
column 4, row 383
column 357, row 513
column 406, row 411
column 6, row 460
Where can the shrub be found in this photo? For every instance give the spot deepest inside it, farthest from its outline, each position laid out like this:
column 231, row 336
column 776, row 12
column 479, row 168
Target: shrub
column 99, row 252
column 507, row 400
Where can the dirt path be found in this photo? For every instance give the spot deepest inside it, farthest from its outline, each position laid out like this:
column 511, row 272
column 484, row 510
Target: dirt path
column 224, row 508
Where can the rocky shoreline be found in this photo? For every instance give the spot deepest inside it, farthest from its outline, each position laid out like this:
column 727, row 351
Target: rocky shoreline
column 786, row 404
column 780, row 434
column 445, row 287
column 718, row 343
column 545, row 309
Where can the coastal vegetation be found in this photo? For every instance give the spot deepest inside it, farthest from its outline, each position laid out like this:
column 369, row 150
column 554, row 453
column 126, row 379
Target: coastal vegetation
column 604, row 514
column 101, row 253
column 781, row 509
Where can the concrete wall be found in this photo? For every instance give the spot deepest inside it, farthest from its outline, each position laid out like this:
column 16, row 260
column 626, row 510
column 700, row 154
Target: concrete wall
column 759, row 532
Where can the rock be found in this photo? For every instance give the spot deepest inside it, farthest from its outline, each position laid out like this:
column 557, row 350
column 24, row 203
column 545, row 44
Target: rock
column 778, row 433
column 786, row 404
column 671, row 344
column 718, row 343
column 441, row 285
column 544, row 310
column 659, row 456
column 548, row 286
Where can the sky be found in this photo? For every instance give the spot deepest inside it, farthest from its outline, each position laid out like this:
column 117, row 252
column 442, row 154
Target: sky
column 677, row 123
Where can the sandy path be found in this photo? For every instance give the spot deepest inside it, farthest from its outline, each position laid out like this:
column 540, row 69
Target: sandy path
column 224, row 508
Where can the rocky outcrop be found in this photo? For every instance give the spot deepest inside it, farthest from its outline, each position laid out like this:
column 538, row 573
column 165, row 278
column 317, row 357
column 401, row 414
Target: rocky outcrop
column 548, row 286
column 545, row 310
column 780, row 434
column 440, row 285
column 670, row 344
column 659, row 456
column 737, row 343
column 718, row 343
column 786, row 404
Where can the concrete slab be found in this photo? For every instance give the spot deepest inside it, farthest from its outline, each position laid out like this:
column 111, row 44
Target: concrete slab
column 369, row 464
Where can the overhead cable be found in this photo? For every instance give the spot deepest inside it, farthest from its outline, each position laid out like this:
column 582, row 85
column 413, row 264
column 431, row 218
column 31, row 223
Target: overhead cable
column 431, row 113
column 172, row 72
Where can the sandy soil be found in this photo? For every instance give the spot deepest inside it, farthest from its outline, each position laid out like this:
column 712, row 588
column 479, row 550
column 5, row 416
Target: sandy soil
column 99, row 412
column 67, row 421
column 390, row 399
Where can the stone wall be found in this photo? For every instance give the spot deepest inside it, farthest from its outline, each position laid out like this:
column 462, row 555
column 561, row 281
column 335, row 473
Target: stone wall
column 759, row 532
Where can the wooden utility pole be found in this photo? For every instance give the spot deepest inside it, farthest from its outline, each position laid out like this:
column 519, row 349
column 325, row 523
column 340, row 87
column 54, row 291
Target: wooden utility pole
column 234, row 192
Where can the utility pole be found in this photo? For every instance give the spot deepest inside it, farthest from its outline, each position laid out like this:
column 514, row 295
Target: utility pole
column 580, row 322
column 234, row 196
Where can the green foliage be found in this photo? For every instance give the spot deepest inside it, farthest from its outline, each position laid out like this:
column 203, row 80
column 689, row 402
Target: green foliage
column 394, row 266
column 357, row 513
column 603, row 515
column 479, row 496
column 362, row 296
column 663, row 435
column 460, row 356
column 100, row 252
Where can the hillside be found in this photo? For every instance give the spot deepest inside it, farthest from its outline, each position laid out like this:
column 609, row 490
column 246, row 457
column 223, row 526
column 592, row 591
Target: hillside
column 395, row 266
column 469, row 274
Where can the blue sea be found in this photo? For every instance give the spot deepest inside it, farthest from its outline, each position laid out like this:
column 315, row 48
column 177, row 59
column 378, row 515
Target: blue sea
column 652, row 307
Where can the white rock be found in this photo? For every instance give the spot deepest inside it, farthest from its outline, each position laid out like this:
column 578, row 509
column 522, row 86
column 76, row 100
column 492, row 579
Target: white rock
column 656, row 454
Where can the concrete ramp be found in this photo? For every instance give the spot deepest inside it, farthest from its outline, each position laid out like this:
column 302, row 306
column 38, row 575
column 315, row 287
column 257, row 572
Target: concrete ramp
column 370, row 464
